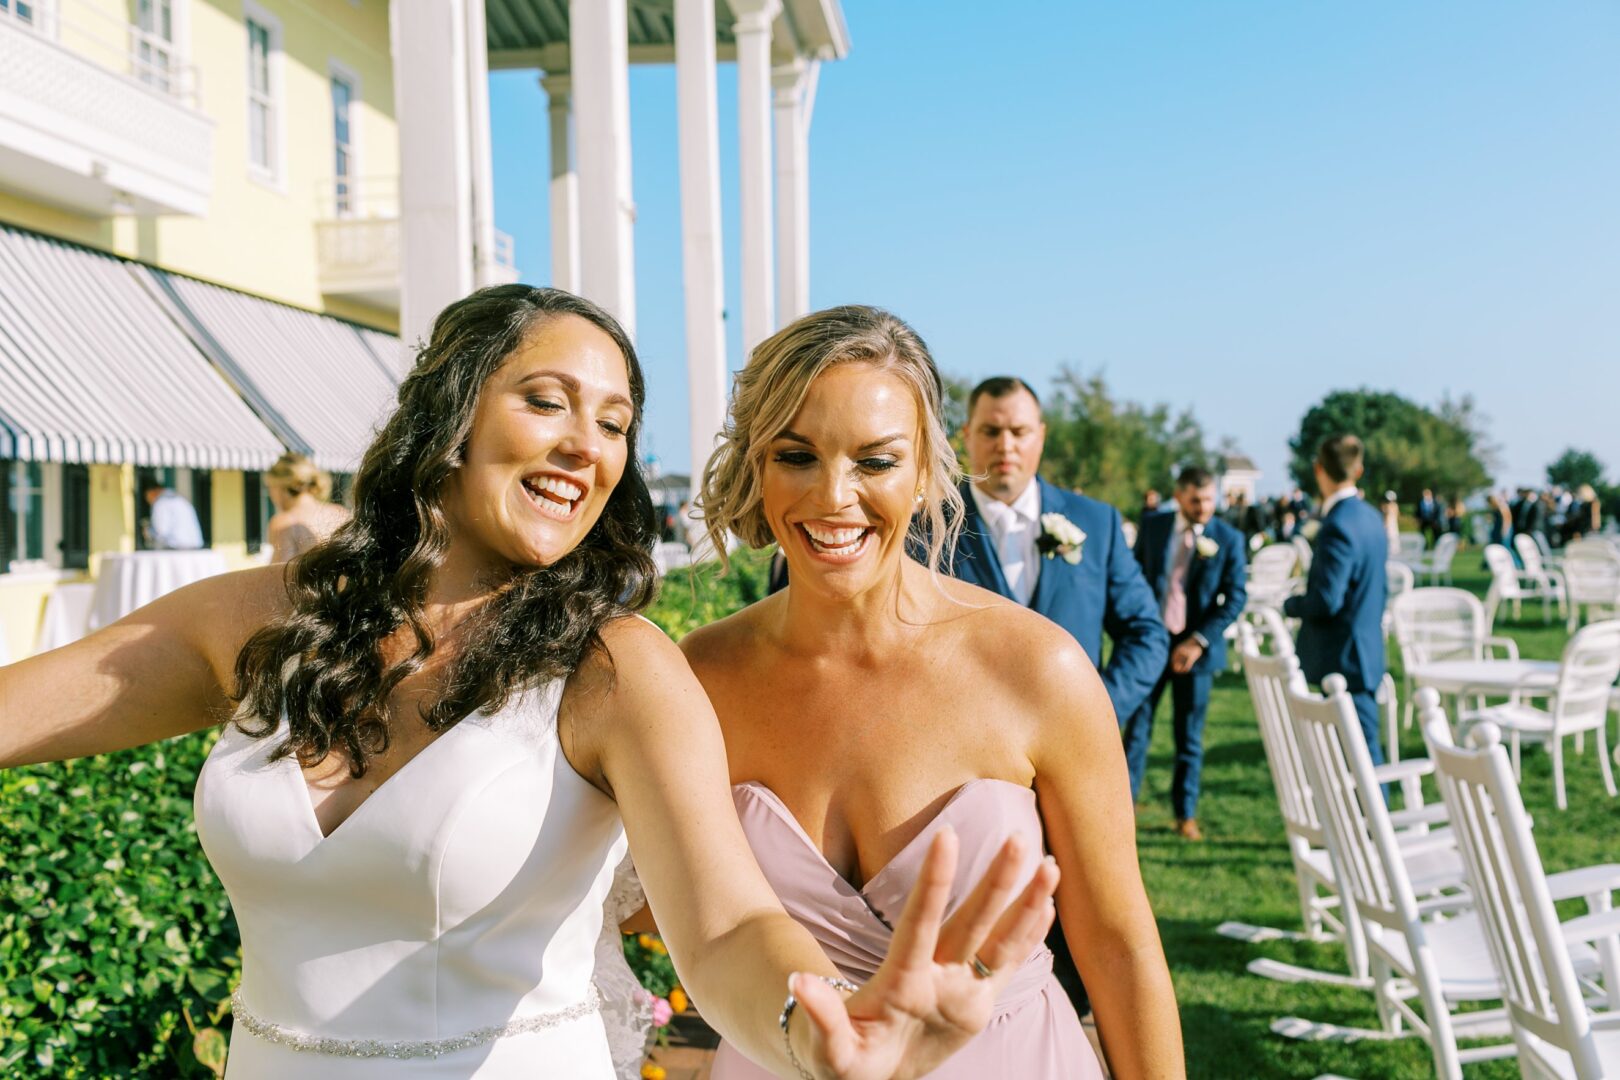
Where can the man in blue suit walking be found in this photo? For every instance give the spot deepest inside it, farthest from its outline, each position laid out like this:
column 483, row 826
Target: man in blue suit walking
column 1055, row 551
column 1341, row 612
column 1195, row 563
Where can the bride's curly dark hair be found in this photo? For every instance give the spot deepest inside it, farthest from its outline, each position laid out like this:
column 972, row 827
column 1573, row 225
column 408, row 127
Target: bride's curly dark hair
column 322, row 665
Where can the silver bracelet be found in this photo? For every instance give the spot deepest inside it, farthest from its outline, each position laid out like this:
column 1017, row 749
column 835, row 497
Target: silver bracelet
column 790, row 1005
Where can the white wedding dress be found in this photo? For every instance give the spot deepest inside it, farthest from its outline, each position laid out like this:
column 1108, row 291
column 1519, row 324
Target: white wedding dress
column 448, row 928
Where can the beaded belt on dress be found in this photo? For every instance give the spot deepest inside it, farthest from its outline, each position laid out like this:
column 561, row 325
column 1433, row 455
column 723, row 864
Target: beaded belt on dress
column 376, row 1048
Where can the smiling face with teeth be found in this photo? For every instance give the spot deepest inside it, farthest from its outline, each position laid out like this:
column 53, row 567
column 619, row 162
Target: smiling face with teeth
column 548, row 445
column 840, row 483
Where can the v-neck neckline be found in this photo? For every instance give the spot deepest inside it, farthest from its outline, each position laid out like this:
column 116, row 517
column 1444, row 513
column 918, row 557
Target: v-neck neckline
column 306, row 797
column 780, row 809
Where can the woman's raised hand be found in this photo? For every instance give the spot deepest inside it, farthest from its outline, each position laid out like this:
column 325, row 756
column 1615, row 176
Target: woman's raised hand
column 929, row 997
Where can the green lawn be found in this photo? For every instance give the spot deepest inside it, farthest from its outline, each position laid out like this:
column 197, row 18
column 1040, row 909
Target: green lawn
column 1242, row 872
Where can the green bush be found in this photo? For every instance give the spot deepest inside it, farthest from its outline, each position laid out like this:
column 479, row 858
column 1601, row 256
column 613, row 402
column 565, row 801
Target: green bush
column 118, row 949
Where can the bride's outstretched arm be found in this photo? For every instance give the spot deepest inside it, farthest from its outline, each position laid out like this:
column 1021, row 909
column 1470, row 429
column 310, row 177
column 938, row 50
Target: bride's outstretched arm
column 159, row 672
column 638, row 723
column 1085, row 801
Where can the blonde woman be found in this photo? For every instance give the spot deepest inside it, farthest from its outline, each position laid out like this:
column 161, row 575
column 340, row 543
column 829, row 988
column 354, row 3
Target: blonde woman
column 877, row 702
column 303, row 518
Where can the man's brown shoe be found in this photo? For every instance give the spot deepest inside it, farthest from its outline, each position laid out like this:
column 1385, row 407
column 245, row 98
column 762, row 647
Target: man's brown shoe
column 1187, row 829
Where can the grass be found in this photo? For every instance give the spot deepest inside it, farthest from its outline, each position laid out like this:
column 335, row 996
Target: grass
column 1242, row 872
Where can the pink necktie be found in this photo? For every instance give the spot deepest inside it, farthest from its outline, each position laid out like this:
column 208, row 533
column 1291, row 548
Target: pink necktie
column 1175, row 597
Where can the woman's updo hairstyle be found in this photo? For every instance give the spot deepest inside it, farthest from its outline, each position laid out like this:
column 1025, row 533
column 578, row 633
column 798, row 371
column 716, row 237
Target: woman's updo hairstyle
column 771, row 389
column 322, row 665
column 298, row 475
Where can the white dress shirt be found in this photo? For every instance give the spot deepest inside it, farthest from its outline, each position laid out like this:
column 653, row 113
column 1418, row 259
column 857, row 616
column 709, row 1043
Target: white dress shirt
column 1346, row 492
column 1013, row 529
column 174, row 523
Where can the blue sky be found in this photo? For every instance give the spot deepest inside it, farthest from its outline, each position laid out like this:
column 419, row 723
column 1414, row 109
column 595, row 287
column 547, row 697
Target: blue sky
column 1232, row 207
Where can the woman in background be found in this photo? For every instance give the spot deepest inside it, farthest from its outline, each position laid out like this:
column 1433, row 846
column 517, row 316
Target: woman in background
column 303, row 518
column 1392, row 520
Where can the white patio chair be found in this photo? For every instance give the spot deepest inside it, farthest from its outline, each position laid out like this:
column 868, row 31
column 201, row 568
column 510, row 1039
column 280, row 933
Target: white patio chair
column 1302, row 548
column 1414, row 953
column 1436, row 564
column 1509, row 583
column 1398, row 580
column 1442, row 624
column 1547, row 573
column 1271, row 576
column 1431, row 858
column 1409, row 548
column 1591, row 571
column 1579, row 703
column 1536, row 958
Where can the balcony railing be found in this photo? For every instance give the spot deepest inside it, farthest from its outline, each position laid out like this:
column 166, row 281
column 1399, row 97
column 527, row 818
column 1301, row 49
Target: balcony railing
column 104, row 115
column 357, row 240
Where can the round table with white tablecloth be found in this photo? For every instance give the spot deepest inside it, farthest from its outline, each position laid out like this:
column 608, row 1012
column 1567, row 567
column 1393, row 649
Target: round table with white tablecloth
column 130, row 580
column 1486, row 676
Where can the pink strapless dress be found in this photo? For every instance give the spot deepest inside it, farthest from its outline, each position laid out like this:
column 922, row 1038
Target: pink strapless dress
column 1034, row 1033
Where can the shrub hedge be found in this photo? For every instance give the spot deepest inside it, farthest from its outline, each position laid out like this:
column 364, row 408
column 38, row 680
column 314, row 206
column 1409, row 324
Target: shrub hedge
column 118, row 949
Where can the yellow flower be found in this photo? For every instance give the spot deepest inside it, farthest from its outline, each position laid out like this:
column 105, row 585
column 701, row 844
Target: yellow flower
column 644, row 940
column 650, row 1071
column 657, row 946
column 677, row 1000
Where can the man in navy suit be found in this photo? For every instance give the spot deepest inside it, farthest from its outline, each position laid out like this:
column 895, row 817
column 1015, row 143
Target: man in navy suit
column 1341, row 612
column 1196, row 564
column 1013, row 543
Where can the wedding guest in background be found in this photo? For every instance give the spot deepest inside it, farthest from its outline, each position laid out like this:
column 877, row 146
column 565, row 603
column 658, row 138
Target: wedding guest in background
column 1287, row 523
column 303, row 518
column 1342, row 610
column 172, row 524
column 1457, row 517
column 1150, row 502
column 1391, row 511
column 1196, row 565
column 1430, row 517
column 1501, row 521
column 1058, row 552
column 1585, row 514
column 1537, row 515
column 876, row 700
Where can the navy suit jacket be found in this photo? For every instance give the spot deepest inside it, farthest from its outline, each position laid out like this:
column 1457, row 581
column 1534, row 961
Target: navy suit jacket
column 1342, row 611
column 1105, row 592
column 1216, row 587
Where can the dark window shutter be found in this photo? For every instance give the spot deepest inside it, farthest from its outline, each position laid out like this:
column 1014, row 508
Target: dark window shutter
column 253, row 515
column 8, row 522
column 76, row 517
column 202, row 500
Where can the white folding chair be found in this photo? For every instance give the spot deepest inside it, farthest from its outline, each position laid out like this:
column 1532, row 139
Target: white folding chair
column 1436, row 564
column 1544, row 571
column 1509, row 583
column 1537, row 960
column 1271, row 574
column 1409, row 548
column 1302, row 548
column 1591, row 571
column 1442, row 624
column 1398, row 580
column 1414, row 952
column 1324, row 910
column 1579, row 703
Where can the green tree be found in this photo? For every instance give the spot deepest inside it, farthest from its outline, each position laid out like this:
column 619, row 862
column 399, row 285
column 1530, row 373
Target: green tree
column 1115, row 450
column 1574, row 468
column 1409, row 446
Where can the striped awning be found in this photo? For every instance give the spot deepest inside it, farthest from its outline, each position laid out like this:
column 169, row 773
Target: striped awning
column 93, row 370
column 318, row 382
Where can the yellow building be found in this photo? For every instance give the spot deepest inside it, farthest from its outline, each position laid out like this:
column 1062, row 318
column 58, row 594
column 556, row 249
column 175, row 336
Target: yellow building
column 199, row 267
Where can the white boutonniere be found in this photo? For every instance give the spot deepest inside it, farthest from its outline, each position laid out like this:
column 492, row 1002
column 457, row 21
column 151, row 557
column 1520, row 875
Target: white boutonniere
column 1206, row 547
column 1060, row 537
column 1257, row 541
column 1310, row 529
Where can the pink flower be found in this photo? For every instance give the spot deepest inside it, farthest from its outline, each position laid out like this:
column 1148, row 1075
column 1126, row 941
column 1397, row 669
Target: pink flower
column 661, row 1012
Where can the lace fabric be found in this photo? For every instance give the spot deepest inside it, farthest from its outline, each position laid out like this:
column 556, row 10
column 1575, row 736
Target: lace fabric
column 626, row 1008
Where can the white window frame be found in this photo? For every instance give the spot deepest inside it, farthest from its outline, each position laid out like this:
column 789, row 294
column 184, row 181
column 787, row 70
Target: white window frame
column 50, row 557
column 336, row 69
column 274, row 175
column 39, row 21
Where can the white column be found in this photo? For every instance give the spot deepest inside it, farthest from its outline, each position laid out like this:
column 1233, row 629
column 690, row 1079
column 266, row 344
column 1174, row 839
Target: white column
column 564, row 182
column 435, row 184
column 752, row 31
column 792, row 83
column 599, row 44
column 478, row 148
column 702, row 261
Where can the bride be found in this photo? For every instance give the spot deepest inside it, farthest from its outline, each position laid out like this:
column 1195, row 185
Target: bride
column 444, row 727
